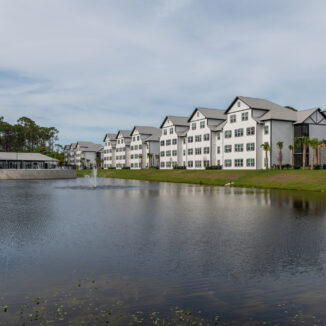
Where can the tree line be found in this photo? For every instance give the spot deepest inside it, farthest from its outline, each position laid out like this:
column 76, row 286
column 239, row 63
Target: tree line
column 27, row 136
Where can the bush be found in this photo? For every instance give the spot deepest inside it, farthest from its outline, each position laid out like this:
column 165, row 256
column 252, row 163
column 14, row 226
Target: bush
column 179, row 168
column 126, row 168
column 286, row 166
column 214, row 167
column 324, row 167
column 317, row 167
column 297, row 167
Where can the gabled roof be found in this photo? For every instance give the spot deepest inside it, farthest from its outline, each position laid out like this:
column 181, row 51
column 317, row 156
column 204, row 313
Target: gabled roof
column 89, row 146
column 176, row 120
column 305, row 114
column 218, row 127
column 66, row 147
column 124, row 133
column 145, row 130
column 217, row 114
column 110, row 135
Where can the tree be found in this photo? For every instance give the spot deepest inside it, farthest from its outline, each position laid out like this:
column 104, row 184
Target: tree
column 314, row 145
column 303, row 142
column 291, row 148
column 280, row 154
column 150, row 157
column 266, row 149
column 321, row 144
column 140, row 156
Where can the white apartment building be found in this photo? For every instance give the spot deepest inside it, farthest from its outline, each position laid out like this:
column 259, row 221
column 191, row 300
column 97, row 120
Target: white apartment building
column 109, row 150
column 122, row 150
column 144, row 147
column 86, row 154
column 66, row 154
column 173, row 141
column 72, row 155
column 202, row 145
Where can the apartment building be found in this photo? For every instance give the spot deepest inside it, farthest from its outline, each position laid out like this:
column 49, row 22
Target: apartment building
column 144, row 147
column 72, row 154
column 109, row 150
column 122, row 151
column 173, row 141
column 86, row 154
column 202, row 144
column 66, row 151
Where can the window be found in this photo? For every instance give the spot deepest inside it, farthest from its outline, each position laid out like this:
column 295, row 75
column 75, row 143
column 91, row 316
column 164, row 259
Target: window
column 266, row 130
column 138, row 138
column 136, row 155
column 218, row 162
column 168, row 142
column 139, row 146
column 193, row 126
column 132, row 148
column 168, row 153
column 171, row 130
column 190, row 164
column 244, row 116
column 250, row 147
column 174, row 163
column 190, row 139
column 168, row 164
column 132, row 156
column 197, row 113
column 197, row 138
column 206, row 163
column 238, row 147
column 239, row 104
column 132, row 165
column 162, row 154
column 198, row 164
column 233, row 118
column 162, row 164
column 174, row 141
column 218, row 136
column 228, row 148
column 228, row 163
column 218, row 149
column 250, row 162
column 174, row 152
column 228, row 134
column 206, row 137
column 250, row 131
column 202, row 124
column 238, row 163
column 206, row 150
column 184, row 152
column 190, row 151
column 121, row 141
column 238, row 132
column 136, row 147
column 198, row 150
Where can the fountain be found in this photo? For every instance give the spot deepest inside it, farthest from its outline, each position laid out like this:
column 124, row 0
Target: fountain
column 93, row 178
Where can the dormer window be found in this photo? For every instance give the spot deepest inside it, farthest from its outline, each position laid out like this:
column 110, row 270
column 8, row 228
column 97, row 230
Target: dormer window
column 197, row 113
column 239, row 104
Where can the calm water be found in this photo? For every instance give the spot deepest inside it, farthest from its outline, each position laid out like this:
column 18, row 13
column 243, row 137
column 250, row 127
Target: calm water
column 139, row 247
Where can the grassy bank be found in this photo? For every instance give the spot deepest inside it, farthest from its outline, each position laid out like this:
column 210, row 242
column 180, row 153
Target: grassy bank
column 314, row 180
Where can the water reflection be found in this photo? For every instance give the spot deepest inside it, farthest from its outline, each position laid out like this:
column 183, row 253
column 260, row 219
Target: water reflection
column 231, row 248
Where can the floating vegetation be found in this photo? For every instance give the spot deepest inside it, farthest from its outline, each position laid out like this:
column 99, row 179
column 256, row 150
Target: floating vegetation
column 87, row 304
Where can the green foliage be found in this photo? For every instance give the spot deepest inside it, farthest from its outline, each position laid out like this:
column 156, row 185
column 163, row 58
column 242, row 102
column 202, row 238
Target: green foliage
column 291, row 108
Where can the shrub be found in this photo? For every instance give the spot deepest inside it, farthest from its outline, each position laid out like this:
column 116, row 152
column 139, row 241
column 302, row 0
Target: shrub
column 126, row 168
column 214, row 167
column 317, row 167
column 286, row 166
column 297, row 167
column 179, row 168
column 324, row 166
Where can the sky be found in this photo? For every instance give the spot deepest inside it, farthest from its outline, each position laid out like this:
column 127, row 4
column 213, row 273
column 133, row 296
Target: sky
column 89, row 67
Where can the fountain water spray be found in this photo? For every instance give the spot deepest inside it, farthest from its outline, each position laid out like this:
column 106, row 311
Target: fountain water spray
column 93, row 178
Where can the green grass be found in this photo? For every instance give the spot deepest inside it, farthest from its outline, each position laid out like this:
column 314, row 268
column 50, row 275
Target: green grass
column 309, row 180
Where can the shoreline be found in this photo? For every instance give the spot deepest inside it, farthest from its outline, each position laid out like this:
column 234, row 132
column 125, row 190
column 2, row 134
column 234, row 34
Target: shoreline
column 301, row 180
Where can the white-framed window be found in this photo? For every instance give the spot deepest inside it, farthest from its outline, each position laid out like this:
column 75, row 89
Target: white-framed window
column 233, row 118
column 174, row 141
column 198, row 164
column 206, row 137
column 238, row 132
column 266, row 130
column 238, row 147
column 190, row 151
column 168, row 142
column 138, row 137
column 165, row 131
column 190, row 139
column 162, row 164
column 239, row 104
column 202, row 124
column 219, row 135
column 198, row 151
column 218, row 149
column 168, row 164
column 174, row 152
column 206, row 163
column 175, row 163
column 162, row 142
column 227, row 133
column 244, row 116
column 162, row 154
column 206, row 150
column 171, row 130
column 238, row 163
column 250, row 147
column 190, row 164
column 184, row 152
column 193, row 126
column 197, row 113
column 228, row 163
column 197, row 138
column 250, row 162
column 250, row 131
column 168, row 153
column 228, row 148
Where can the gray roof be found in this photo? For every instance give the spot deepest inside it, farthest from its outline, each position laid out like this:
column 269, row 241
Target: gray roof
column 176, row 120
column 304, row 114
column 124, row 133
column 110, row 135
column 218, row 127
column 218, row 114
column 89, row 146
column 25, row 156
column 145, row 130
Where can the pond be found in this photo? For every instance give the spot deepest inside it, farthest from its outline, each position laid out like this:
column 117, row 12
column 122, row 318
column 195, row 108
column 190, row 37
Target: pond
column 131, row 252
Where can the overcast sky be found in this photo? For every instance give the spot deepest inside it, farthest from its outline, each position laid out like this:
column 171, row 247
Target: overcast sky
column 94, row 66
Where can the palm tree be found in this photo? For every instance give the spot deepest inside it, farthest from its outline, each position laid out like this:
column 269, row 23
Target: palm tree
column 140, row 156
column 280, row 155
column 291, row 148
column 150, row 157
column 157, row 156
column 314, row 145
column 321, row 144
column 267, row 149
column 304, row 142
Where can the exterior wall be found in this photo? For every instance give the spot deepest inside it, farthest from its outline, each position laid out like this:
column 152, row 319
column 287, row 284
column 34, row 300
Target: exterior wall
column 281, row 131
column 233, row 142
column 9, row 174
column 122, row 154
column 138, row 151
column 153, row 147
column 167, row 159
column 109, row 153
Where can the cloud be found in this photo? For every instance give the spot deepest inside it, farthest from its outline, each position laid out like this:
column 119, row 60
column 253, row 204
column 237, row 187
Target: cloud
column 93, row 67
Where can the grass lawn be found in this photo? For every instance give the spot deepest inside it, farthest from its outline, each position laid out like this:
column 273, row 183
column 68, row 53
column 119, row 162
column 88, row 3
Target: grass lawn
column 310, row 180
